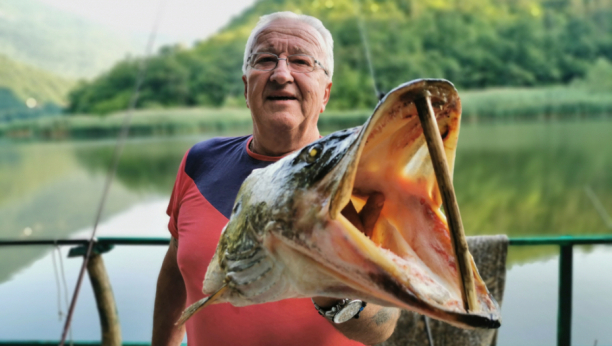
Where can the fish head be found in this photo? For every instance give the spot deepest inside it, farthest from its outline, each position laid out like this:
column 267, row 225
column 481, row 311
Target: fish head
column 287, row 236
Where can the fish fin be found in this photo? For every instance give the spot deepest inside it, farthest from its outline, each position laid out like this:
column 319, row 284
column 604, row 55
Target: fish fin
column 197, row 306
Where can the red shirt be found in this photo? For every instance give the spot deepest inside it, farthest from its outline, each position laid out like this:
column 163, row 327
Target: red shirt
column 201, row 202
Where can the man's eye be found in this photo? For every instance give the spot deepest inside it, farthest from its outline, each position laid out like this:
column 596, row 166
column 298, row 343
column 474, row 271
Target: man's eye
column 264, row 60
column 301, row 61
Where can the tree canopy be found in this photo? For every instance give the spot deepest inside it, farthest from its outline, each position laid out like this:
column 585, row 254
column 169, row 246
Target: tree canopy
column 474, row 43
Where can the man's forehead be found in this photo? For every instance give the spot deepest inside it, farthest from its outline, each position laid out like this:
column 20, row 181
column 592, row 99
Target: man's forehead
column 294, row 36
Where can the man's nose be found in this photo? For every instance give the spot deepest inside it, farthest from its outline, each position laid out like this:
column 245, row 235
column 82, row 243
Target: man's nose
column 281, row 74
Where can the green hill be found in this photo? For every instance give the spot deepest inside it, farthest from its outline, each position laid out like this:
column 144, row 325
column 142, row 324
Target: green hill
column 29, row 92
column 30, row 82
column 38, row 34
column 476, row 44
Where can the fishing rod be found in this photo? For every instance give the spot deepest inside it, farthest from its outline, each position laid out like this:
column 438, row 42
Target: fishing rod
column 601, row 210
column 125, row 128
column 366, row 47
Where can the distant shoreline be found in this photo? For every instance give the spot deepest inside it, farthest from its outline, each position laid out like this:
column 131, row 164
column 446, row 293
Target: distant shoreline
column 555, row 103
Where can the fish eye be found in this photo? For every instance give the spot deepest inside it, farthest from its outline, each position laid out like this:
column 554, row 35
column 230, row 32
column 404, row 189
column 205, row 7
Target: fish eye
column 313, row 153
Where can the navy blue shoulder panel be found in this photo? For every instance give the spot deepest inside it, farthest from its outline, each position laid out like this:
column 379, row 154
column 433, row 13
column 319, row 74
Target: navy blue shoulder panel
column 218, row 167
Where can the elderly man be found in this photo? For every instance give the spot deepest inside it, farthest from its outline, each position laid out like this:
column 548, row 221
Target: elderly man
column 288, row 65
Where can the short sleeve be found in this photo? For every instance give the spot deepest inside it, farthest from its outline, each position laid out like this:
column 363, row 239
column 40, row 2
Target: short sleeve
column 176, row 198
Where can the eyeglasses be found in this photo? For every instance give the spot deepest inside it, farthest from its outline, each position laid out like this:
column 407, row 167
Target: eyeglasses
column 300, row 63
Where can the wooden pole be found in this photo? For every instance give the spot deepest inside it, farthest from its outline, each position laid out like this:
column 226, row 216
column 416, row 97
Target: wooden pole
column 451, row 208
column 107, row 309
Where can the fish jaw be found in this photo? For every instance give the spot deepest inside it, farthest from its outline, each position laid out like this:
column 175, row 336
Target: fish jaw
column 344, row 262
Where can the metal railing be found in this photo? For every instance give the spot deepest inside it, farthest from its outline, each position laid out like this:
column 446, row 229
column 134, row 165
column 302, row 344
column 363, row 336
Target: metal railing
column 565, row 243
column 566, row 250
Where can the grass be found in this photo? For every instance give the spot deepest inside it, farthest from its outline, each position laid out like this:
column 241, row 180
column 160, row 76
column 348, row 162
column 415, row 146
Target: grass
column 160, row 122
column 506, row 104
column 536, row 103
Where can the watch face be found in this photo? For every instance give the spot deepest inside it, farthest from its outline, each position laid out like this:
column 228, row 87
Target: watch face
column 348, row 311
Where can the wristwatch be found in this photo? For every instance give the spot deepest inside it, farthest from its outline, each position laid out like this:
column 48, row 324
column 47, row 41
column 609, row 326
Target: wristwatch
column 345, row 310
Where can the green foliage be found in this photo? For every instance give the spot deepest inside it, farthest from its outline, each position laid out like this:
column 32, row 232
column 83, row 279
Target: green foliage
column 19, row 82
column 598, row 77
column 474, row 43
column 27, row 81
column 8, row 100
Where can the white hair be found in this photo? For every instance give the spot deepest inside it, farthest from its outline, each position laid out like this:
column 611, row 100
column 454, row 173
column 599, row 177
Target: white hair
column 324, row 36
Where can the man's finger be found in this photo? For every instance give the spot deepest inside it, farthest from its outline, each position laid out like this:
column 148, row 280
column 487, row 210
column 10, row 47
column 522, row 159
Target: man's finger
column 371, row 211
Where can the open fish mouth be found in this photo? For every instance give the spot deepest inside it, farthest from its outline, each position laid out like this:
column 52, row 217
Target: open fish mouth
column 408, row 253
column 288, row 236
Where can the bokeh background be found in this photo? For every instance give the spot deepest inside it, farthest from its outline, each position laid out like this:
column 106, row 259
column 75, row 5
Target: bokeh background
column 534, row 155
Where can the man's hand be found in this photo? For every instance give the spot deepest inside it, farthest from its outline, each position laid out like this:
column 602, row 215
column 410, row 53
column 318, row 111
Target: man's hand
column 375, row 323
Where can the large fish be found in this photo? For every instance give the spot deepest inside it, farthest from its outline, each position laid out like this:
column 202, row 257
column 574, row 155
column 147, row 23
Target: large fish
column 287, row 236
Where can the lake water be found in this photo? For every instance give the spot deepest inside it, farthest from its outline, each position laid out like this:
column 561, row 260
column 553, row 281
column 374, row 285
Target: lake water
column 519, row 179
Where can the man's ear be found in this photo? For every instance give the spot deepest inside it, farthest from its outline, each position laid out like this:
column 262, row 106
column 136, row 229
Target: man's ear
column 326, row 96
column 244, row 80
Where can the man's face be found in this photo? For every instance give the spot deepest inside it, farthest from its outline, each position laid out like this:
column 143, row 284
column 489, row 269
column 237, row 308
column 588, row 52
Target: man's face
column 281, row 99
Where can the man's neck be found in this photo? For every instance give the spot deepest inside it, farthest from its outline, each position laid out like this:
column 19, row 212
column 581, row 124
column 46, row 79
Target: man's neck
column 277, row 144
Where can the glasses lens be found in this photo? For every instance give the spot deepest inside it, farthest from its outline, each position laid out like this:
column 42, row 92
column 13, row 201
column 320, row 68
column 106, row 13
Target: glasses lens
column 301, row 63
column 264, row 62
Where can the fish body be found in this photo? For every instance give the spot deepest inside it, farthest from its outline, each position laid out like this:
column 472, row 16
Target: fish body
column 287, row 236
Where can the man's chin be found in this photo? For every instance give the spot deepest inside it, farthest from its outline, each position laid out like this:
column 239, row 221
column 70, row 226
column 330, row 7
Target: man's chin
column 283, row 119
column 283, row 106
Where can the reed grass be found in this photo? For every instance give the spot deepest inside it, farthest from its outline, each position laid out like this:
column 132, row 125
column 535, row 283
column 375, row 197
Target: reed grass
column 536, row 103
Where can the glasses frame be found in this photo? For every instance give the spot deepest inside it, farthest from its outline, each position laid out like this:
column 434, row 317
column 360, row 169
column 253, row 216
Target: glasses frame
column 317, row 62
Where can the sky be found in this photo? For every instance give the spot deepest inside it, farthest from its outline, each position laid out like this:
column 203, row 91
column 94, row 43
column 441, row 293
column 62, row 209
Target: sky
column 182, row 21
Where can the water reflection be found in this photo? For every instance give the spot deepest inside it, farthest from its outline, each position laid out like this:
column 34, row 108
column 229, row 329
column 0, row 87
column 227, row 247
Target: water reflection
column 529, row 308
column 132, row 271
column 518, row 179
column 146, row 165
column 526, row 179
column 53, row 189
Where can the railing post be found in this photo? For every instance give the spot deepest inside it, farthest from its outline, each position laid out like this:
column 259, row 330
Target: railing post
column 564, row 318
column 103, row 292
column 107, row 309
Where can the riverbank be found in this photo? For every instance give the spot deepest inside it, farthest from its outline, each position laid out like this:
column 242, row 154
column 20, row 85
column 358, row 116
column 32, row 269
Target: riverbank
column 491, row 105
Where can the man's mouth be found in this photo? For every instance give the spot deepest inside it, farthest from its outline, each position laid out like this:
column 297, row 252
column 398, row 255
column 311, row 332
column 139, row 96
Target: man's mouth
column 282, row 98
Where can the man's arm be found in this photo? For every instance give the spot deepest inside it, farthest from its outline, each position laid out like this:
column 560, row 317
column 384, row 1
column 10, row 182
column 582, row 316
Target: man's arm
column 169, row 301
column 374, row 325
